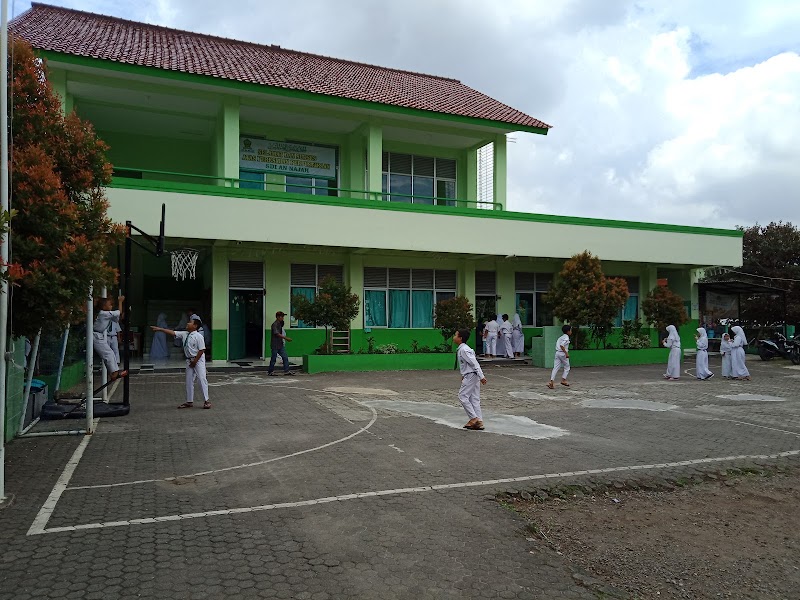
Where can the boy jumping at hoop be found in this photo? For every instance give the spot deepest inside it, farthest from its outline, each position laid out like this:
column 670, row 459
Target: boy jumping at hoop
column 194, row 347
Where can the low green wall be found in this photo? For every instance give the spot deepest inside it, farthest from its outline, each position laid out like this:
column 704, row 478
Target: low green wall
column 618, row 357
column 317, row 363
column 70, row 376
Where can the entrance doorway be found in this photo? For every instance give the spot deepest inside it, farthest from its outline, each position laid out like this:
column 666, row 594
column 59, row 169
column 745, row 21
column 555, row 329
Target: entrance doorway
column 246, row 327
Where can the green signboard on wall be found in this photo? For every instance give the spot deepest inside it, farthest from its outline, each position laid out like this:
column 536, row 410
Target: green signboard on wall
column 283, row 158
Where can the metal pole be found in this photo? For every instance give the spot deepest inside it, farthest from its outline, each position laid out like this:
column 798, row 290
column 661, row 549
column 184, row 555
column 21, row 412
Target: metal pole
column 4, row 205
column 89, row 362
column 29, row 379
column 103, row 368
column 64, row 340
column 126, row 329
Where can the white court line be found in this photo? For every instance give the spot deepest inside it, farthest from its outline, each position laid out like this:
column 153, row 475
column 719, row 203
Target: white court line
column 40, row 522
column 753, row 425
column 395, row 492
column 234, row 468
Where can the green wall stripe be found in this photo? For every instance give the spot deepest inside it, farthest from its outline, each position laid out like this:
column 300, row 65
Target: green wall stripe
column 230, row 84
column 188, row 188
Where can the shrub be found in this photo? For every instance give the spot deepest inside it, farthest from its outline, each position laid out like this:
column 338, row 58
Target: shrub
column 662, row 307
column 388, row 349
column 452, row 314
column 334, row 307
column 633, row 336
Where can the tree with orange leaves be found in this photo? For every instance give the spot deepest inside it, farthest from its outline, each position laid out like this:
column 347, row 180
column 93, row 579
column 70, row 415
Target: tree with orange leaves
column 583, row 295
column 60, row 232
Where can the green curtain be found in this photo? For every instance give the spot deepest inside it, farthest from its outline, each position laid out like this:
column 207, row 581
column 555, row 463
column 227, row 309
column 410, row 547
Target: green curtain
column 398, row 308
column 422, row 308
column 307, row 292
column 375, row 308
column 631, row 310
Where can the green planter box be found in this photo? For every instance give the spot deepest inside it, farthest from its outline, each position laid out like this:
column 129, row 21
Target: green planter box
column 619, row 357
column 318, row 363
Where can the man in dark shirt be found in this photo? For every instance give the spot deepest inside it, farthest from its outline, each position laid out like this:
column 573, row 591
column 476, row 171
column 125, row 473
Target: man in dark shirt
column 277, row 344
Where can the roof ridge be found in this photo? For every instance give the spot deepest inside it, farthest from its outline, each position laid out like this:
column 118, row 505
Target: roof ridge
column 234, row 40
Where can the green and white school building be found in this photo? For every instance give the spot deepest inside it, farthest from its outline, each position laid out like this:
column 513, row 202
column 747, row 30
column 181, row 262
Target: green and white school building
column 282, row 167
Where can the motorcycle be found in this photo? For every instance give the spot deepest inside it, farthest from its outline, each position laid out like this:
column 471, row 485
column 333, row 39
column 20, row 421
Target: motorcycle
column 779, row 345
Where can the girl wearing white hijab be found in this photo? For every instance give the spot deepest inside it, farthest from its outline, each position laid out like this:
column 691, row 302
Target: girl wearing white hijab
column 159, row 349
column 517, row 337
column 702, row 371
column 725, row 350
column 738, row 367
column 673, row 342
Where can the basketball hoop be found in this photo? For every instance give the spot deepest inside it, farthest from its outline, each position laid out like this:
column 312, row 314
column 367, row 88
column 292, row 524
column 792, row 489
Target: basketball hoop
column 184, row 262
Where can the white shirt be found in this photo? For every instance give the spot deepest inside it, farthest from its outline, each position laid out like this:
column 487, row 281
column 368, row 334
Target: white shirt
column 192, row 342
column 104, row 320
column 506, row 328
column 562, row 341
column 492, row 327
column 467, row 361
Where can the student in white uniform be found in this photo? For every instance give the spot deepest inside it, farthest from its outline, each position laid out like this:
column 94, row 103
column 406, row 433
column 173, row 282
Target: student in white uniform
column 159, row 351
column 472, row 378
column 702, row 371
column 103, row 325
column 738, row 367
column 194, row 347
column 725, row 350
column 561, row 360
column 113, row 339
column 492, row 329
column 484, row 335
column 673, row 342
column 504, row 341
column 517, row 337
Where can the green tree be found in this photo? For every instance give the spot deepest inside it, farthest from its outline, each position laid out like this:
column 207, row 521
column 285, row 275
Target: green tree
column 333, row 308
column 583, row 295
column 662, row 307
column 60, row 234
column 772, row 251
column 452, row 314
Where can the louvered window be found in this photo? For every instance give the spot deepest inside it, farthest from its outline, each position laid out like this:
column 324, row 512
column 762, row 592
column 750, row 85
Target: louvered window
column 246, row 275
column 419, row 179
column 485, row 283
column 402, row 298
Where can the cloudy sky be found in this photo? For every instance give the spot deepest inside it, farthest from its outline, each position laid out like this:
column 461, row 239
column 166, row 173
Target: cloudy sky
column 675, row 111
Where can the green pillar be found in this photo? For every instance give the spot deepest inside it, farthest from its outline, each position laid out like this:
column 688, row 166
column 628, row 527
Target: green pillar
column 375, row 160
column 58, row 81
column 506, row 288
column 472, row 176
column 354, row 177
column 466, row 283
column 219, row 303
column 228, row 138
column 277, row 280
column 354, row 277
column 500, row 171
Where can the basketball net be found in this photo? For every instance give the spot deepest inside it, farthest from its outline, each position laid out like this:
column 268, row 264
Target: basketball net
column 184, row 263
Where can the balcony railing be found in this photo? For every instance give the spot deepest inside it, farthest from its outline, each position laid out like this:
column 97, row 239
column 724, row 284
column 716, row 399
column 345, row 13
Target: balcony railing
column 126, row 174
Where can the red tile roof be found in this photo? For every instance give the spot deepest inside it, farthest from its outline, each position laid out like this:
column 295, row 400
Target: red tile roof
column 95, row 36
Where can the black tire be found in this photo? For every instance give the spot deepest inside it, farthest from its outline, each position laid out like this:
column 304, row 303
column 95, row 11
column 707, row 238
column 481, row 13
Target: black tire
column 764, row 353
column 795, row 356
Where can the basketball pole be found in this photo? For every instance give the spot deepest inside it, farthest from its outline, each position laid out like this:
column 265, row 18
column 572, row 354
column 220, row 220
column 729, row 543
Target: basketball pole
column 158, row 244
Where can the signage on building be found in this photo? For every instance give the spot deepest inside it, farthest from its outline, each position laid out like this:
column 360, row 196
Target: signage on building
column 283, row 158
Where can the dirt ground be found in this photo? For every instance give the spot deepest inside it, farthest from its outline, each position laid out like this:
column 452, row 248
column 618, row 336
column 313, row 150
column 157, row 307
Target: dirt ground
column 737, row 537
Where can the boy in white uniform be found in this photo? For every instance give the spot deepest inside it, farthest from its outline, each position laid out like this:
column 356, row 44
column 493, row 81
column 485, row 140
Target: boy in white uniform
column 562, row 357
column 492, row 328
column 471, row 380
column 504, row 341
column 194, row 347
column 101, row 335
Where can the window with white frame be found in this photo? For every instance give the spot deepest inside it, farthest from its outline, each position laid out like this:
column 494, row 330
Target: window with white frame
column 419, row 179
column 305, row 281
column 404, row 298
column 531, row 288
column 630, row 311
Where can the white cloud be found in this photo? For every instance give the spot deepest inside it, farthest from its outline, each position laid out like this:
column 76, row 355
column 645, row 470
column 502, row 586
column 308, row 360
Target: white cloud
column 680, row 111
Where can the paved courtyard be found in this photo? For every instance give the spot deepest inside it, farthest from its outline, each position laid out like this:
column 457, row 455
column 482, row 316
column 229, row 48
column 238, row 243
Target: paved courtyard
column 357, row 485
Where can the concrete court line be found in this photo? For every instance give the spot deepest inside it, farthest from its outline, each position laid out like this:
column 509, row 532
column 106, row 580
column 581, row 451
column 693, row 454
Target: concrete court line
column 44, row 514
column 236, row 467
column 394, row 492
